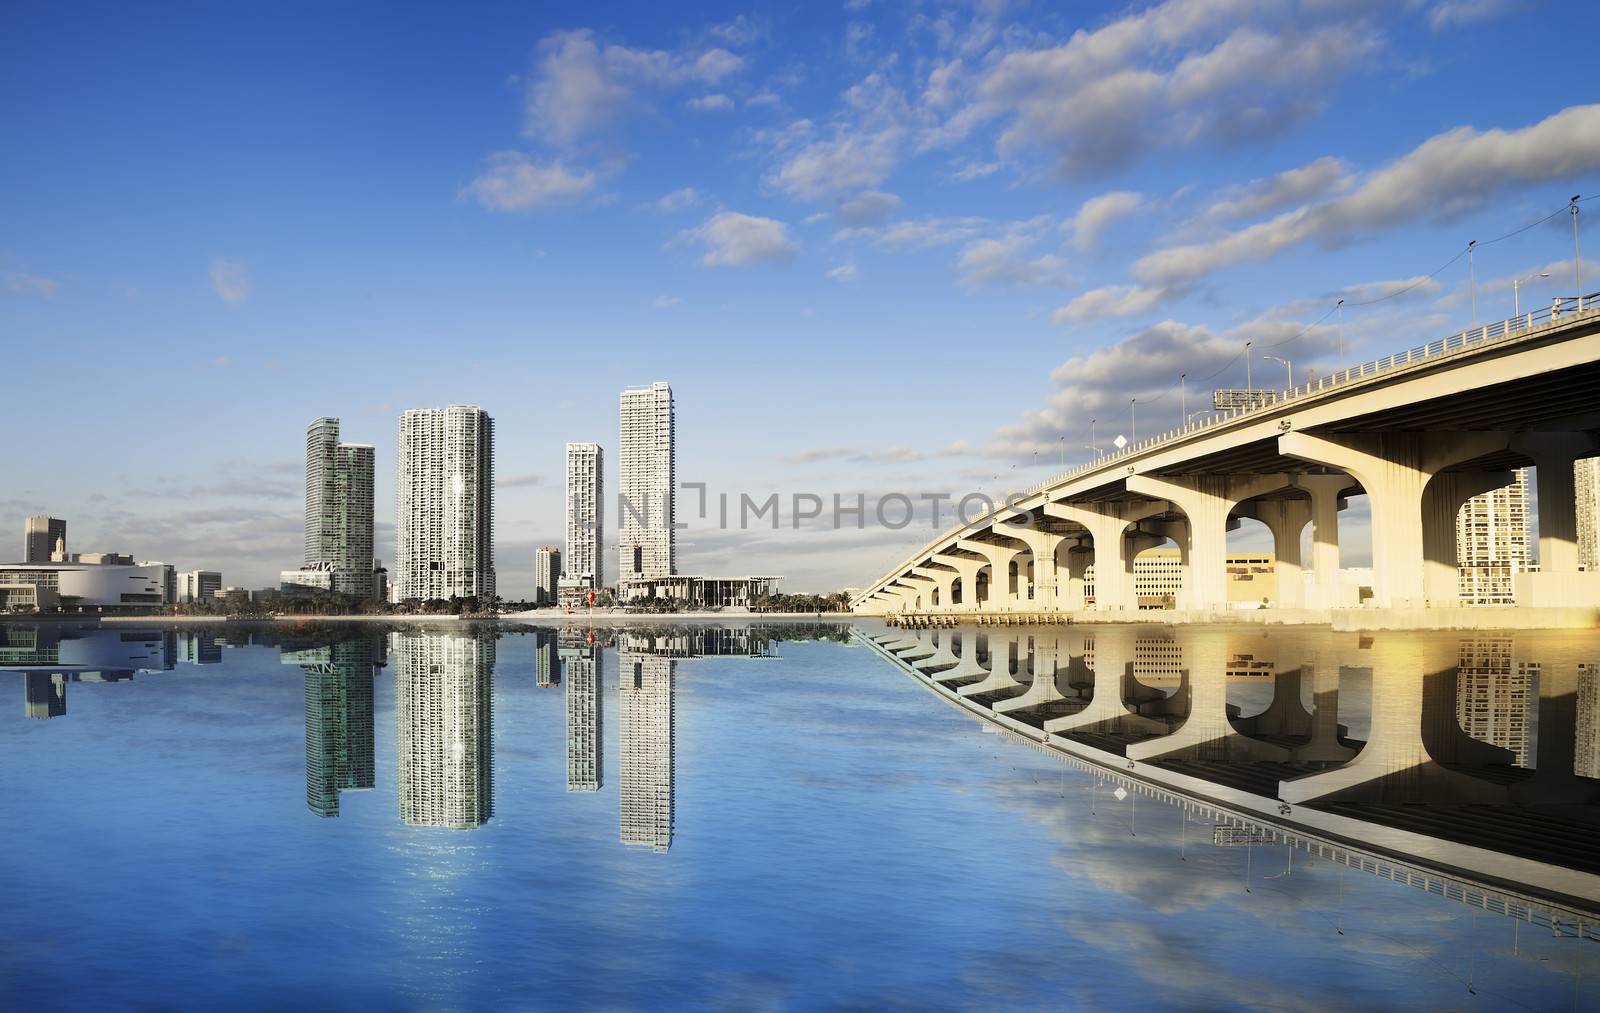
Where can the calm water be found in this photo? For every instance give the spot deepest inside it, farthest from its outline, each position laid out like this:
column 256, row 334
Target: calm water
column 782, row 817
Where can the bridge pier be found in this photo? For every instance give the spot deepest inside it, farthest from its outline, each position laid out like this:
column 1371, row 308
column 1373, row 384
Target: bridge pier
column 966, row 570
column 1558, row 582
column 1000, row 558
column 1107, row 524
column 1441, row 502
column 1206, row 501
column 1042, row 546
column 1285, row 519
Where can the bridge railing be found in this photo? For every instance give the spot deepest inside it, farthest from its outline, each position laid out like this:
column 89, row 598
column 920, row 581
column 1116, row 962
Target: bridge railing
column 1565, row 308
column 1562, row 309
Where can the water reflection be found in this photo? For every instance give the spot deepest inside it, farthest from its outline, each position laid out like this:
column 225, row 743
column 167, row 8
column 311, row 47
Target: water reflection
column 444, row 716
column 339, row 717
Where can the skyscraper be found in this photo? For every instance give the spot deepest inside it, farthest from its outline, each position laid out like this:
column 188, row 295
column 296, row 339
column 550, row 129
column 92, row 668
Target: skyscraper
column 585, row 515
column 1492, row 543
column 338, row 521
column 645, row 801
column 648, row 466
column 445, row 735
column 546, row 574
column 444, row 529
column 42, row 537
column 584, row 716
column 1586, row 480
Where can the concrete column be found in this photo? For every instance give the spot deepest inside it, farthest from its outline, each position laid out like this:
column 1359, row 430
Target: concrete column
column 1558, row 582
column 1394, row 468
column 942, row 579
column 1106, row 524
column 1133, row 543
column 1327, row 589
column 1285, row 518
column 999, row 558
column 1042, row 546
column 1441, row 503
column 1206, row 500
column 966, row 569
column 920, row 593
column 1078, row 557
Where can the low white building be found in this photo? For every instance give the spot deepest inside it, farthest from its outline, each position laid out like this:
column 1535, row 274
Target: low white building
column 86, row 587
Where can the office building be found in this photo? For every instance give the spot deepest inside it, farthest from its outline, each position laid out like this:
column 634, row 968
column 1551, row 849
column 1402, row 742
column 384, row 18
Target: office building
column 197, row 586
column 1492, row 543
column 1586, row 480
column 444, row 528
column 546, row 574
column 645, row 801
column 338, row 516
column 584, row 562
column 445, row 727
column 44, row 539
column 584, row 715
column 647, row 470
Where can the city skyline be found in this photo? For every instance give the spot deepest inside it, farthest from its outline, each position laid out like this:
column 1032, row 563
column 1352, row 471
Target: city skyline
column 886, row 188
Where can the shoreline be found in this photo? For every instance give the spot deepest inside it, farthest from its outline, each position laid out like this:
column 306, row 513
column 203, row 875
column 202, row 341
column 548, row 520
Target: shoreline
column 538, row 618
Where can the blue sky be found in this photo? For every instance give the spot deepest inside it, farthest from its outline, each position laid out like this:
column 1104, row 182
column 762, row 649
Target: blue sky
column 874, row 247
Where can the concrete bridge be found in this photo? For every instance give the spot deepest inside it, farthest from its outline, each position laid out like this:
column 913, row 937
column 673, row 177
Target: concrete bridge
column 1418, row 433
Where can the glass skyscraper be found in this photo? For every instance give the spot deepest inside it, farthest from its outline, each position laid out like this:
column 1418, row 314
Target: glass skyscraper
column 338, row 522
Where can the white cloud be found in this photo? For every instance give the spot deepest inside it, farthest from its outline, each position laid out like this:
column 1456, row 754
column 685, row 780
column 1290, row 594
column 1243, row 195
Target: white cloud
column 1098, row 214
column 1460, row 13
column 22, row 283
column 1449, row 174
column 975, row 170
column 581, row 86
column 736, row 240
column 845, row 272
column 516, row 181
column 666, row 302
column 868, row 208
column 1005, row 261
column 229, row 281
column 1261, row 196
column 920, row 233
column 715, row 102
column 1110, row 301
column 763, row 98
column 677, row 200
column 859, row 151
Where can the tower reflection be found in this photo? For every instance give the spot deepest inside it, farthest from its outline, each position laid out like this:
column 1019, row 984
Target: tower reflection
column 445, row 727
column 339, row 720
column 580, row 656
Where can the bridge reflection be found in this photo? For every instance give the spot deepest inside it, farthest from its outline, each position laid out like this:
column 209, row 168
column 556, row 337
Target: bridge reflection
column 1467, row 764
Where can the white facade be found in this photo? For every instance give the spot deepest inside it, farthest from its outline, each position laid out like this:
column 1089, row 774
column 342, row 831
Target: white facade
column 645, row 800
column 1492, row 543
column 444, row 527
column 82, row 585
column 585, row 702
column 647, row 466
column 1586, row 480
column 546, row 574
column 445, row 728
column 196, row 586
column 584, row 559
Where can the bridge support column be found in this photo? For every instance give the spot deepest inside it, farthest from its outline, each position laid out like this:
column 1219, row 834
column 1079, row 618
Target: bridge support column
column 1042, row 546
column 1394, row 468
column 1558, row 582
column 919, row 595
column 1207, row 501
column 966, row 569
column 1000, row 559
column 1078, row 556
column 939, row 597
column 1107, row 524
column 1441, row 503
column 1285, row 518
column 1327, row 584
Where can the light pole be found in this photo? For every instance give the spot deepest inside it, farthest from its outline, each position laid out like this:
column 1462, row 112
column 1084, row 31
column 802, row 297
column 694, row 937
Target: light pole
column 1340, row 308
column 1577, row 277
column 1289, row 367
column 1249, row 384
column 1472, row 282
column 1063, row 444
column 1183, row 394
column 1516, row 295
column 1094, row 444
column 1133, row 418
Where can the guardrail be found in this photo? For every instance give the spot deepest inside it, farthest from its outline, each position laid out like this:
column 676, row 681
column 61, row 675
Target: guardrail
column 1560, row 310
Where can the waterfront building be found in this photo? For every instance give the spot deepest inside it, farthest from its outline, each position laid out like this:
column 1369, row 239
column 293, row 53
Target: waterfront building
column 546, row 574
column 338, row 515
column 44, row 539
column 1492, row 543
column 645, row 799
column 445, row 728
column 81, row 587
column 197, row 586
column 647, row 468
column 585, row 702
column 339, row 720
column 703, row 592
column 584, row 561
column 444, row 528
column 1586, row 480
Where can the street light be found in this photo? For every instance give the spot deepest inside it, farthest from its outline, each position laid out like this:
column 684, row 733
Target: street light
column 1577, row 278
column 1094, row 444
column 1063, row 445
column 1248, row 383
column 1289, row 367
column 1516, row 296
column 1133, row 418
column 1340, row 308
column 1183, row 394
column 1472, row 280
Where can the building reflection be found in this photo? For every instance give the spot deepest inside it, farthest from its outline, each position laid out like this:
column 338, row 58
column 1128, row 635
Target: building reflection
column 445, row 727
column 645, row 799
column 580, row 657
column 339, row 717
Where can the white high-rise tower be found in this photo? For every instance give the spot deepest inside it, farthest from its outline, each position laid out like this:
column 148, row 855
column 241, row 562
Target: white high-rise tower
column 647, row 467
column 1492, row 543
column 584, row 560
column 1586, row 481
column 444, row 528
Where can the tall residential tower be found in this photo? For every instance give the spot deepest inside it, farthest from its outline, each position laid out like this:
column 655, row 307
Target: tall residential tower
column 584, row 561
column 444, row 528
column 338, row 523
column 648, row 466
column 1492, row 543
